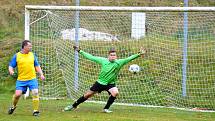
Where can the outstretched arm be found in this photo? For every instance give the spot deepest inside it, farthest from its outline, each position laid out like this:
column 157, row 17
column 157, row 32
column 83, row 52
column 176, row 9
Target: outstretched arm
column 88, row 55
column 132, row 57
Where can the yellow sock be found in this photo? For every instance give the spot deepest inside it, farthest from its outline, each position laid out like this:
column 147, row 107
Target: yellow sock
column 36, row 103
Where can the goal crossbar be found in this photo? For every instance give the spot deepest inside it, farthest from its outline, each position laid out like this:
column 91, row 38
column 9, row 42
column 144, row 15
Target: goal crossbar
column 104, row 8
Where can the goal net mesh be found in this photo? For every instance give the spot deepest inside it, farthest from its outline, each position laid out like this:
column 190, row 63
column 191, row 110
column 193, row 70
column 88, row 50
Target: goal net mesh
column 160, row 81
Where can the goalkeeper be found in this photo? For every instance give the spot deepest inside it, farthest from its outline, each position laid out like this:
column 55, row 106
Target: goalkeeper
column 110, row 68
column 26, row 63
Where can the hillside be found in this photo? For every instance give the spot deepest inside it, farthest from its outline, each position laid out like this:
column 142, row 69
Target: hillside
column 12, row 12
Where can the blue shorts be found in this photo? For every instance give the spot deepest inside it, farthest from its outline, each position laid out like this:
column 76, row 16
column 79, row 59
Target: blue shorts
column 23, row 85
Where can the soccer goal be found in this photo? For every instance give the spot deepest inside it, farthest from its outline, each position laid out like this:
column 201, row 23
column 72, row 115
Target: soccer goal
column 177, row 71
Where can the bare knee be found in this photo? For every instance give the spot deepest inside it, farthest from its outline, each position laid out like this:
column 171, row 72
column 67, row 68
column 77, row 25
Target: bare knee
column 35, row 92
column 114, row 91
column 89, row 94
column 18, row 94
column 114, row 94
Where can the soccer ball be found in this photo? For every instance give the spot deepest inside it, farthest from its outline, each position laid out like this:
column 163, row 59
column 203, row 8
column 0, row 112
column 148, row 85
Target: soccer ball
column 134, row 68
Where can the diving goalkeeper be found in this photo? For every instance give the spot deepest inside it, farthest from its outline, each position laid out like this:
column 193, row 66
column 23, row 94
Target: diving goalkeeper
column 110, row 68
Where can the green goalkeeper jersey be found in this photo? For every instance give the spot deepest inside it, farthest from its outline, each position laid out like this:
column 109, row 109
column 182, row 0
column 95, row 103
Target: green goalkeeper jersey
column 109, row 70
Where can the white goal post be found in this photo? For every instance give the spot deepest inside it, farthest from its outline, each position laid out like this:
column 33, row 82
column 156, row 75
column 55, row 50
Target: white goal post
column 178, row 70
column 114, row 8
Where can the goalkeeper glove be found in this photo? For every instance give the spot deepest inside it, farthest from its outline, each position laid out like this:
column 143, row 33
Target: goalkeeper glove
column 76, row 48
column 142, row 51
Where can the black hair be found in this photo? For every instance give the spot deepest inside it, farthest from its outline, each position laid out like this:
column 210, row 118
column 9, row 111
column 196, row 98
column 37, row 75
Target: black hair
column 25, row 42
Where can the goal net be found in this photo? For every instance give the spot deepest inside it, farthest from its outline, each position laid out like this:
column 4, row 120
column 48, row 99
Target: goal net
column 177, row 71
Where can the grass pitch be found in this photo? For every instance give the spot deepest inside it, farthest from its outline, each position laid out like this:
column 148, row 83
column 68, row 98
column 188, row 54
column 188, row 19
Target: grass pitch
column 52, row 111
